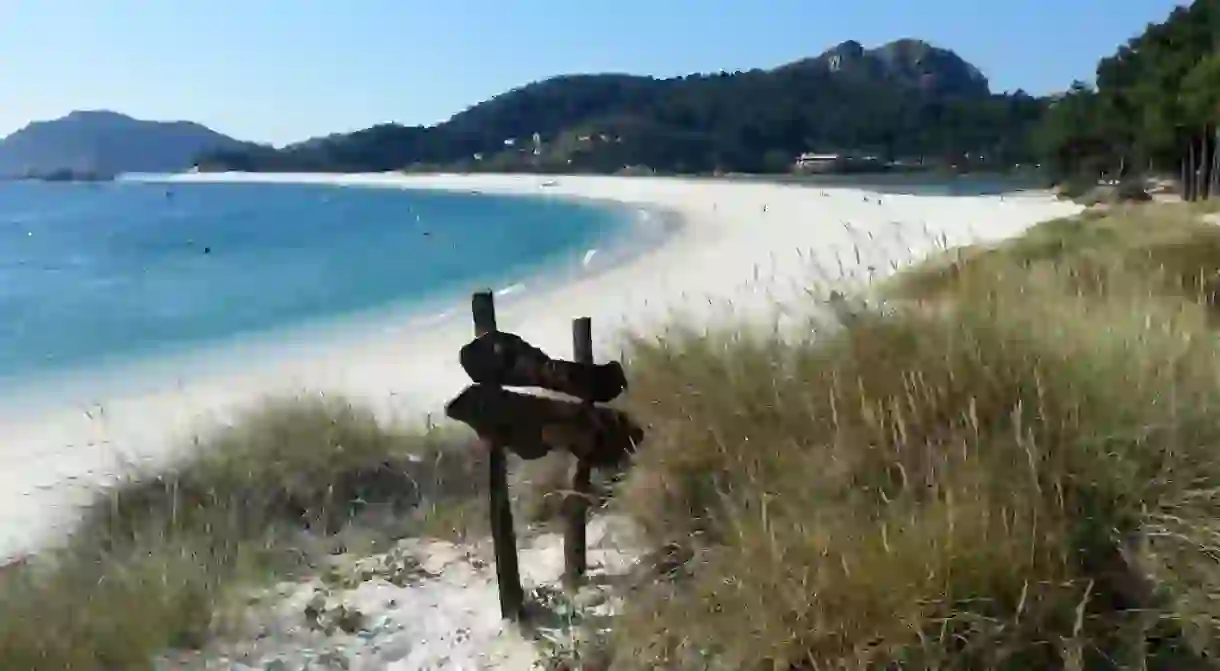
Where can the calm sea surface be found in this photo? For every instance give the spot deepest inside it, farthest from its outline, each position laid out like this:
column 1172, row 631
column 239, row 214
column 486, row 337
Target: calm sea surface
column 99, row 273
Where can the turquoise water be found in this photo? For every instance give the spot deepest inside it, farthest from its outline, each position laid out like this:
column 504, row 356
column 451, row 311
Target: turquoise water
column 99, row 273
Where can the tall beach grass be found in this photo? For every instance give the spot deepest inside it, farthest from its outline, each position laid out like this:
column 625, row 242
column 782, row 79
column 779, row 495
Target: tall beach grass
column 159, row 558
column 1018, row 470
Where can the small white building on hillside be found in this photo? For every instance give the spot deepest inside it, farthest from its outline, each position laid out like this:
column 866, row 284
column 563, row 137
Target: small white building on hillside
column 814, row 162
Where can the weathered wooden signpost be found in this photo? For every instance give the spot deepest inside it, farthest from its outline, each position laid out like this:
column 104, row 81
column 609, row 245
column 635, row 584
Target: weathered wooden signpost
column 532, row 426
column 504, row 537
column 576, row 503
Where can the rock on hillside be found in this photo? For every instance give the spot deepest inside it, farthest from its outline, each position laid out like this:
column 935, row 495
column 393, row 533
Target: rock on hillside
column 907, row 62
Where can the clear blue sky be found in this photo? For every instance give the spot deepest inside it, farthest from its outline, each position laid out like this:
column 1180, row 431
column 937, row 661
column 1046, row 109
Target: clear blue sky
column 283, row 70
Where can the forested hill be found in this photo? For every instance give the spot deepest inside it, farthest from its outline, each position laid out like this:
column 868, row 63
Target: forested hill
column 904, row 100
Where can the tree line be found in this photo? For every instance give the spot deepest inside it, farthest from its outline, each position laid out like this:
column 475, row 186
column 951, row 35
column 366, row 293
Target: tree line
column 1154, row 108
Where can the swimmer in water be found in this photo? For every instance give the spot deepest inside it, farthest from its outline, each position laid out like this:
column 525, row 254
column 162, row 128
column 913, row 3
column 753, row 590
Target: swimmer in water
column 207, row 250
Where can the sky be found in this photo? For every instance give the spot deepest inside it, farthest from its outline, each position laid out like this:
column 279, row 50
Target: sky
column 284, row 70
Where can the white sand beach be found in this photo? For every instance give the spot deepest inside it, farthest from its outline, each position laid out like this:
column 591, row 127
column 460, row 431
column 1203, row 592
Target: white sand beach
column 747, row 248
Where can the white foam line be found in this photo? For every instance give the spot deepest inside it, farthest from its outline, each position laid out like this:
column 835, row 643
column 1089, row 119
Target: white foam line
column 588, row 257
column 436, row 318
column 511, row 289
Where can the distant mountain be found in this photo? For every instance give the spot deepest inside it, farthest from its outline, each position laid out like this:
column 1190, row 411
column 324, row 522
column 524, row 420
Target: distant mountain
column 904, row 99
column 108, row 143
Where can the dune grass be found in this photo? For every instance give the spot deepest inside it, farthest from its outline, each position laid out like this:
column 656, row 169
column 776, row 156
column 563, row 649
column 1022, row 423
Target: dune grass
column 1026, row 481
column 159, row 557
column 1165, row 247
column 1026, row 477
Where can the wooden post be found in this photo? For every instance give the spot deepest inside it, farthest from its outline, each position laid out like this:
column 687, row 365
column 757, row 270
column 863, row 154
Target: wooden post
column 576, row 506
column 504, row 537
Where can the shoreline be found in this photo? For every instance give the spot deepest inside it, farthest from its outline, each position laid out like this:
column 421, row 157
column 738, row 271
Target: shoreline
column 638, row 231
column 741, row 250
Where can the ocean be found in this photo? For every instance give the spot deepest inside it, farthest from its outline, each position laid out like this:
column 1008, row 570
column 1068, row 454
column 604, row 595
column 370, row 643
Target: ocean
column 97, row 274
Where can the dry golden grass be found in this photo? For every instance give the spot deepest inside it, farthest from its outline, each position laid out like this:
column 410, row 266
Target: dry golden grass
column 158, row 558
column 1026, row 477
column 1026, row 481
column 1166, row 246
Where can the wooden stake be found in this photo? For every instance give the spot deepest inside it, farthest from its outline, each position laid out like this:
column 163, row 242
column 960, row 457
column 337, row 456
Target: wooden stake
column 576, row 505
column 504, row 537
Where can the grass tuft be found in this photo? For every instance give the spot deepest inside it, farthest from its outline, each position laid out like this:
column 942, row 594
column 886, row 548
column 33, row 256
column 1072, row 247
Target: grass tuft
column 159, row 557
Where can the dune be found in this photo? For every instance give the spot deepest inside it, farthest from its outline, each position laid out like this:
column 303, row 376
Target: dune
column 743, row 249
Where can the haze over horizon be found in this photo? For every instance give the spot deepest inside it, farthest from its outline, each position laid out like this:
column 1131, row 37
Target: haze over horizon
column 257, row 72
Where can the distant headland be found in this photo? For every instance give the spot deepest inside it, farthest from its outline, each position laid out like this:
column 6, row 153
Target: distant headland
column 88, row 145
